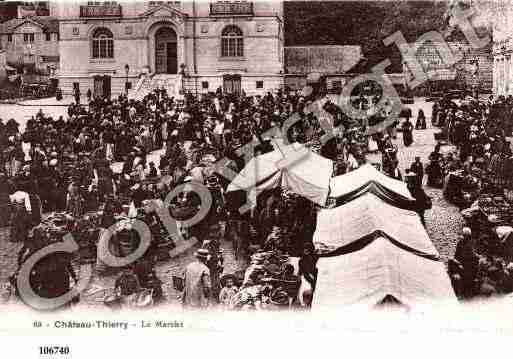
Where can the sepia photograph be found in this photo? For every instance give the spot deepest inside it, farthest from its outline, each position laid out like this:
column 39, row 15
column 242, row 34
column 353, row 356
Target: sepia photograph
column 169, row 159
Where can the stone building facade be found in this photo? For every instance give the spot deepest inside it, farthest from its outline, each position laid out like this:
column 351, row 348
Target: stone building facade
column 31, row 43
column 503, row 50
column 502, row 67
column 473, row 70
column 3, row 64
column 502, row 47
column 193, row 45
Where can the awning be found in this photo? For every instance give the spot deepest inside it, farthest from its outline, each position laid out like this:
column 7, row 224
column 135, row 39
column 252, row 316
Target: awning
column 342, row 185
column 367, row 179
column 293, row 167
column 370, row 249
column 350, row 227
column 380, row 269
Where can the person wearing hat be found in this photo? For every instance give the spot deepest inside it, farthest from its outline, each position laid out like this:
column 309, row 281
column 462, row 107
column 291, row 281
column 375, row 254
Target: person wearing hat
column 11, row 127
column 197, row 289
column 214, row 263
column 229, row 289
column 434, row 169
column 421, row 121
column 465, row 246
column 418, row 168
column 411, row 179
column 75, row 203
column 422, row 200
column 21, row 213
column 104, row 178
column 393, row 171
column 152, row 170
column 465, row 255
column 407, row 128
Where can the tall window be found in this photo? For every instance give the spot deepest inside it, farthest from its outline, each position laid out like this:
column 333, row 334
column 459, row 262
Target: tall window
column 232, row 43
column 28, row 37
column 102, row 44
column 102, row 3
column 48, row 36
column 9, row 38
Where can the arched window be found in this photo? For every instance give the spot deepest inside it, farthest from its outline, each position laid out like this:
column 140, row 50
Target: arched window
column 102, row 44
column 232, row 43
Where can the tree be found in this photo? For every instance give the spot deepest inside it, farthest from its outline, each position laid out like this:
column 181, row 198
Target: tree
column 364, row 23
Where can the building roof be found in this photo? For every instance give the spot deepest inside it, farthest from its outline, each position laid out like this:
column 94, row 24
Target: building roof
column 326, row 59
column 47, row 23
column 366, row 23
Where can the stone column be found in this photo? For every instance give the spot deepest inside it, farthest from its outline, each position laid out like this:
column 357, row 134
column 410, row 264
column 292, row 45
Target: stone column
column 503, row 65
column 495, row 75
column 510, row 77
column 501, row 76
column 507, row 74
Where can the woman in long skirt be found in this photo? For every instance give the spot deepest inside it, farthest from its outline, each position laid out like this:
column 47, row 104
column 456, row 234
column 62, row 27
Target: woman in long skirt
column 74, row 201
column 21, row 217
column 421, row 121
column 4, row 200
column 407, row 132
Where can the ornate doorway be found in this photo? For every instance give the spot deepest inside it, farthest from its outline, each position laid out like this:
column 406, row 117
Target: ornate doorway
column 102, row 86
column 232, row 84
column 166, row 56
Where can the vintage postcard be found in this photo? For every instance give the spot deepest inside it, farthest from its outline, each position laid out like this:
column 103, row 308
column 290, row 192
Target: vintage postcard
column 183, row 168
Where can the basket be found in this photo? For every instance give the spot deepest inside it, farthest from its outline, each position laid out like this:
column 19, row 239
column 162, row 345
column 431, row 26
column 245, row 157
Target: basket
column 113, row 302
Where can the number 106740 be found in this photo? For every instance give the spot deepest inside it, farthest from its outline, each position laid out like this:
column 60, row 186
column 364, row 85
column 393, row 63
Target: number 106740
column 53, row 350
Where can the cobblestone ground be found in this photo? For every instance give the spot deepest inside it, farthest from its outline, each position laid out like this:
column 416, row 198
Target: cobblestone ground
column 102, row 285
column 165, row 271
column 443, row 220
column 22, row 113
column 94, row 296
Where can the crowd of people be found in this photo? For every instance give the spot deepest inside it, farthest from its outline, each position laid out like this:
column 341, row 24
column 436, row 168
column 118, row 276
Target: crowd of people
column 477, row 177
column 113, row 160
column 66, row 165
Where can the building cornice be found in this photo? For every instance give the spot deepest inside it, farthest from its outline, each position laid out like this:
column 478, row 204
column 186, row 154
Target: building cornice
column 81, row 20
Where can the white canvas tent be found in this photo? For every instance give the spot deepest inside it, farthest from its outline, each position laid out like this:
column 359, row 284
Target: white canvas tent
column 365, row 277
column 342, row 185
column 343, row 225
column 376, row 250
column 293, row 167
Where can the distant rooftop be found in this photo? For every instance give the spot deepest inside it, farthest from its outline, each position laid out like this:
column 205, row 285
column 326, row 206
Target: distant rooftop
column 48, row 24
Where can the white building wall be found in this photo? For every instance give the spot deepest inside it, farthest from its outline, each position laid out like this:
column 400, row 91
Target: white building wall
column 503, row 48
column 134, row 45
column 3, row 63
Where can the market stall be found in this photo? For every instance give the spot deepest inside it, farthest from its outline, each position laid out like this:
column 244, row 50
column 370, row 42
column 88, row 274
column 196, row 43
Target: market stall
column 292, row 167
column 370, row 249
column 365, row 176
column 366, row 277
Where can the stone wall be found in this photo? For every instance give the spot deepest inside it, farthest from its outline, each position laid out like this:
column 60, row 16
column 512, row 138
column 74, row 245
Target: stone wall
column 3, row 62
column 429, row 57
